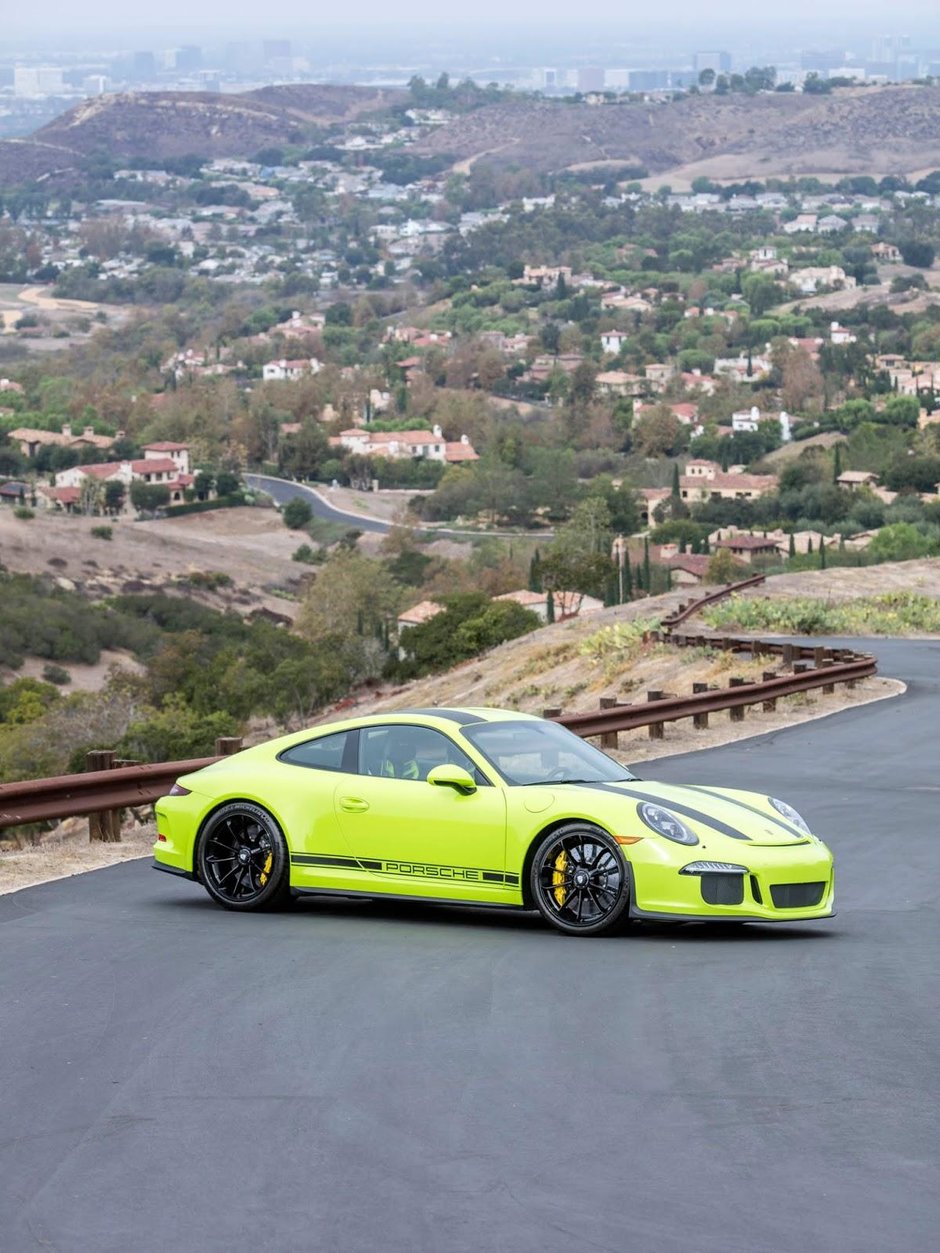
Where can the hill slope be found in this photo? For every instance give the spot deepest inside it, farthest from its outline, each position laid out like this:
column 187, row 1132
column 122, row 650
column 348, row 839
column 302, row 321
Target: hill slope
column 175, row 123
column 867, row 130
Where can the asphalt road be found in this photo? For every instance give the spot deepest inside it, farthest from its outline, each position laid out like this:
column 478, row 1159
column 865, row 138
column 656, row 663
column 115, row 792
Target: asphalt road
column 380, row 1078
column 283, row 490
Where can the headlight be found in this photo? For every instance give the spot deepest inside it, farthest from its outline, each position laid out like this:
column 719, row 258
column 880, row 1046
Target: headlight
column 788, row 812
column 713, row 867
column 665, row 823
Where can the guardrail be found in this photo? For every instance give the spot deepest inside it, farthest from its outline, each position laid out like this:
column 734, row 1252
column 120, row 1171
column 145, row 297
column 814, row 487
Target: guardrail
column 684, row 611
column 830, row 666
column 102, row 793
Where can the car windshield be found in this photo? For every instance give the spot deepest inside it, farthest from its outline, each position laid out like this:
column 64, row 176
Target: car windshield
column 527, row 753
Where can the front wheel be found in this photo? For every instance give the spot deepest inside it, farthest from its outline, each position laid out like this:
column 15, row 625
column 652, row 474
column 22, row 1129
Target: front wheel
column 242, row 858
column 580, row 881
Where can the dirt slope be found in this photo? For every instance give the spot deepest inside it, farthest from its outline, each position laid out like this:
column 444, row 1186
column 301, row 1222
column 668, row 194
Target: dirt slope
column 866, row 130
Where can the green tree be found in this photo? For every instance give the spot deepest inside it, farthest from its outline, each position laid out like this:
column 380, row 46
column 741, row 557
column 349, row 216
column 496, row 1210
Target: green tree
column 149, row 497
column 296, row 513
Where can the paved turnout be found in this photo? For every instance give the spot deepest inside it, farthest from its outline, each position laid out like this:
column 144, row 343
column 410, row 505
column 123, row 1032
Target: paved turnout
column 371, row 1077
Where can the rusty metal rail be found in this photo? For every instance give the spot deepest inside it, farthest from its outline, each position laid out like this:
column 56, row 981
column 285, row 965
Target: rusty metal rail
column 678, row 616
column 73, row 795
column 664, row 708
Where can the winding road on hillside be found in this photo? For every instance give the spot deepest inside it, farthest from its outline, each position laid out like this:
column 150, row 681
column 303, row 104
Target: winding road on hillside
column 358, row 1077
column 283, row 490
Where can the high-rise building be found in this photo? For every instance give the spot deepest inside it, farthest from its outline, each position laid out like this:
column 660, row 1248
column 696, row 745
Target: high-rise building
column 38, row 80
column 715, row 60
column 188, row 58
column 590, row 78
column 143, row 66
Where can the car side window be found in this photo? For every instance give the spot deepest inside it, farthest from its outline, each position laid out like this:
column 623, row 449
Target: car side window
column 399, row 751
column 327, row 752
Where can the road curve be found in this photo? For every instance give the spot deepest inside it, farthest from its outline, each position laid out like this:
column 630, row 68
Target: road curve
column 283, row 490
column 358, row 1077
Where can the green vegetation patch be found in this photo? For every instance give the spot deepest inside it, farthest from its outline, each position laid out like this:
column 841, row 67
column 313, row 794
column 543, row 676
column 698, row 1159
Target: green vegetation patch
column 894, row 613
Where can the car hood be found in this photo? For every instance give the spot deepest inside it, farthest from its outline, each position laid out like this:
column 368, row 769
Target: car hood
column 745, row 816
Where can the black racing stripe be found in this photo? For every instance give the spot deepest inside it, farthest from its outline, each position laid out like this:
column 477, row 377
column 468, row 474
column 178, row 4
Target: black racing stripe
column 695, row 814
column 414, row 871
column 346, row 863
column 778, row 819
column 459, row 716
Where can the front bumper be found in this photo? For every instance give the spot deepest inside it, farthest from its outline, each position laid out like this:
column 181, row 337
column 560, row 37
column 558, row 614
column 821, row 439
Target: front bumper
column 782, row 884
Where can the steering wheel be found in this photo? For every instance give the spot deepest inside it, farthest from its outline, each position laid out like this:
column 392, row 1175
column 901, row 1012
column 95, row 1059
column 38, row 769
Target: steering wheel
column 556, row 775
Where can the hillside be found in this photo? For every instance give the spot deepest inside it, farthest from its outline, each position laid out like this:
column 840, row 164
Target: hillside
column 571, row 665
column 891, row 130
column 172, row 124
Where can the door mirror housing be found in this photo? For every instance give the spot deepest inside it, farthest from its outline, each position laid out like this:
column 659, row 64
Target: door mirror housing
column 453, row 776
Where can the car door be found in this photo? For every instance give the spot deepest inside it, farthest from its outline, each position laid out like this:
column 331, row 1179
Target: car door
column 417, row 838
column 307, row 786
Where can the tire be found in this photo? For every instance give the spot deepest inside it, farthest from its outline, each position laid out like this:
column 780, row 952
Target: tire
column 242, row 858
column 580, row 881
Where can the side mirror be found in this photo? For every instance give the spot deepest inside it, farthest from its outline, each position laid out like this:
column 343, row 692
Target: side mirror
column 453, row 776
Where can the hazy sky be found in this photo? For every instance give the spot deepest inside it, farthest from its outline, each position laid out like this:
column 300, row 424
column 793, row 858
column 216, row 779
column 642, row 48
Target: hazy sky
column 296, row 16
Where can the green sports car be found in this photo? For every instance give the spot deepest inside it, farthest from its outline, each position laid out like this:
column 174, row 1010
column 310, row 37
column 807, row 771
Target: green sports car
column 485, row 807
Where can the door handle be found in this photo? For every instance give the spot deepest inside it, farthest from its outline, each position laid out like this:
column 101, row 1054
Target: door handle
column 353, row 804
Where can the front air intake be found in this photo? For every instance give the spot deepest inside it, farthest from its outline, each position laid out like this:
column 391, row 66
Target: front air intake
column 796, row 895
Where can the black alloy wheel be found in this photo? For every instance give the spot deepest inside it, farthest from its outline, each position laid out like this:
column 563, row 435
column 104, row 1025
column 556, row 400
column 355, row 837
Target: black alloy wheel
column 580, row 881
column 242, row 858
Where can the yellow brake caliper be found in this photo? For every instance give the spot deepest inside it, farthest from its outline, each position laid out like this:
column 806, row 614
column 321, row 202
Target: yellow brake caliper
column 269, row 861
column 558, row 878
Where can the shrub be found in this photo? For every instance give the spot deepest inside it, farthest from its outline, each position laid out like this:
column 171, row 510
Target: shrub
column 23, row 512
column 308, row 555
column 56, row 674
column 296, row 513
column 102, row 532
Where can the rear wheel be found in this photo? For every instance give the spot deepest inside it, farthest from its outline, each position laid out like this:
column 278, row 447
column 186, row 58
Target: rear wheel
column 242, row 858
column 580, row 881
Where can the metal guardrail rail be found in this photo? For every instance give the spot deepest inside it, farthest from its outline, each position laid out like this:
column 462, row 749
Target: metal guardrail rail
column 678, row 616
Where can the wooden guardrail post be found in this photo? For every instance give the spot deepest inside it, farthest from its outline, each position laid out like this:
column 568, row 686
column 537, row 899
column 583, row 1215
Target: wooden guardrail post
column 103, row 827
column 656, row 729
column 551, row 713
column 770, row 705
column 788, row 654
column 227, row 745
column 609, row 739
column 699, row 721
column 737, row 712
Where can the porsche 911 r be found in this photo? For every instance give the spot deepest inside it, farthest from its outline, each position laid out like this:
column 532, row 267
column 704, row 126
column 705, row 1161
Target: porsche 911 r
column 485, row 807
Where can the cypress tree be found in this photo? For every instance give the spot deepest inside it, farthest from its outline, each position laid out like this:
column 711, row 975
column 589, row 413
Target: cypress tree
column 837, row 464
column 535, row 572
column 676, row 494
column 792, row 545
column 822, row 554
column 550, row 607
column 627, row 578
column 809, row 545
column 646, row 563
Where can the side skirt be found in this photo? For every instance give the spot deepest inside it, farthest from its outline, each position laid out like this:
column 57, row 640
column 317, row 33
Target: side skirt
column 396, row 896
column 182, row 874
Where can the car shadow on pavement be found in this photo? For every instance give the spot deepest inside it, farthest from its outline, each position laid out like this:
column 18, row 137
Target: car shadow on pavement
column 306, row 910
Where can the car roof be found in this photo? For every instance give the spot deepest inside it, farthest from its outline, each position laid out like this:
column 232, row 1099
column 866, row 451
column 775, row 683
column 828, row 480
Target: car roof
column 445, row 719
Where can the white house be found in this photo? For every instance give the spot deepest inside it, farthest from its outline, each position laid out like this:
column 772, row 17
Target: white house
column 283, row 371
column 613, row 341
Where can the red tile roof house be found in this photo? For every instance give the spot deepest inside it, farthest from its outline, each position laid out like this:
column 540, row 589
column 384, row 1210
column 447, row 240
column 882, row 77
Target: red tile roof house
column 165, row 462
column 688, row 569
column 747, row 547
